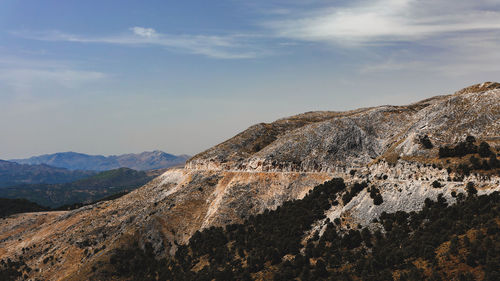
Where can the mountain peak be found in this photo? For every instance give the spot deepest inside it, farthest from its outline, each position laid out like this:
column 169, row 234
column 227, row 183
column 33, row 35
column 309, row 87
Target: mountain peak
column 477, row 88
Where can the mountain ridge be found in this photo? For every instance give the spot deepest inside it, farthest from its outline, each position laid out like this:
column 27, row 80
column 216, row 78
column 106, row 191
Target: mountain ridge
column 360, row 136
column 12, row 173
column 148, row 160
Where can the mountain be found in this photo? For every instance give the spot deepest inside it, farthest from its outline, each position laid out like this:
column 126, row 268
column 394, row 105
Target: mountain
column 82, row 191
column 78, row 161
column 14, row 174
column 312, row 192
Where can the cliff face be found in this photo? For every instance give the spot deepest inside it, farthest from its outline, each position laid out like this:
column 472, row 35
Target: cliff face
column 261, row 168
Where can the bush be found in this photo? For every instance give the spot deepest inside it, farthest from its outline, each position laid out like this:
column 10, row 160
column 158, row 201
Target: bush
column 436, row 184
column 464, row 169
column 476, row 163
column 377, row 200
column 471, row 190
column 445, row 151
column 426, row 142
column 355, row 189
column 470, row 139
column 484, row 150
column 493, row 162
column 460, row 150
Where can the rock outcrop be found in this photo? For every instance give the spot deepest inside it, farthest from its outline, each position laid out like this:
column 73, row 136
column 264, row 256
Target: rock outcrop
column 325, row 141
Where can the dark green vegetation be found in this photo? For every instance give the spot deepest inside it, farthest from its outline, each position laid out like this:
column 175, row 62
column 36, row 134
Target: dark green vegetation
column 14, row 174
column 486, row 160
column 117, row 177
column 426, row 142
column 436, row 184
column 465, row 148
column 82, row 191
column 440, row 242
column 14, row 206
column 281, row 230
column 79, row 205
column 13, row 270
column 355, row 189
column 375, row 195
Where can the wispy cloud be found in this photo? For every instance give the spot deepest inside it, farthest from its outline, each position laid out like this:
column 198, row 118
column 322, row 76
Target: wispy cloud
column 26, row 78
column 473, row 53
column 22, row 77
column 442, row 29
column 455, row 38
column 222, row 47
column 387, row 21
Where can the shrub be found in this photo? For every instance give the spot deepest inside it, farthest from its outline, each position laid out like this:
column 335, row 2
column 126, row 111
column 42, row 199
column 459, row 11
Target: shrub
column 493, row 162
column 464, row 169
column 436, row 184
column 378, row 199
column 445, row 151
column 459, row 150
column 484, row 149
column 471, row 190
column 470, row 139
column 426, row 142
column 476, row 163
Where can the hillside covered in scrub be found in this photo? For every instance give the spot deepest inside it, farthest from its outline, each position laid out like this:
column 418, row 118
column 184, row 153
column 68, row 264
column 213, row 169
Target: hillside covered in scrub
column 439, row 242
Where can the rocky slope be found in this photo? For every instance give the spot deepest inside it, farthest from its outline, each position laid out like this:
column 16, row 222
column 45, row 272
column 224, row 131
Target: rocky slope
column 324, row 141
column 261, row 168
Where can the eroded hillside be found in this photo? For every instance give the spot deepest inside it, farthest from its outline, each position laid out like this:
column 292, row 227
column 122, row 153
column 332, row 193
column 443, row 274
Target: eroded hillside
column 263, row 167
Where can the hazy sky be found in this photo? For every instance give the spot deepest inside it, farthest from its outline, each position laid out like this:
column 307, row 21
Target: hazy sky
column 112, row 77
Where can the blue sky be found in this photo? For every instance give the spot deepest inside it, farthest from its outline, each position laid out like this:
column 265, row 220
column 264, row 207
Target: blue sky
column 111, row 77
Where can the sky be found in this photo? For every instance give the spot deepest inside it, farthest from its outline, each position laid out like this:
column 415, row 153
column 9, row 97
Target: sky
column 113, row 77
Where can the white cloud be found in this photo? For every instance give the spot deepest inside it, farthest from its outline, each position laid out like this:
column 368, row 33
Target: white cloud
column 386, row 21
column 445, row 37
column 222, row 47
column 144, row 32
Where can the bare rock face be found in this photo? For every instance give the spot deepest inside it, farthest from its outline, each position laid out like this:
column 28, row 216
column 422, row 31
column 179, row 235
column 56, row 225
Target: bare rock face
column 261, row 168
column 325, row 141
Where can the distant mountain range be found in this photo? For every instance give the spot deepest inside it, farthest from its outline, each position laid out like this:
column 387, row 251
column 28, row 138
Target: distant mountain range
column 79, row 161
column 14, row 174
column 67, row 178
